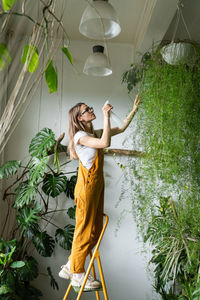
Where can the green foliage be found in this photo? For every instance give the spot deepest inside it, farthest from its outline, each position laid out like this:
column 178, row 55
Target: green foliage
column 70, row 185
column 71, row 212
column 7, row 4
column 34, row 189
column 26, row 193
column 54, row 185
column 68, row 54
column 30, row 57
column 5, row 57
column 41, row 143
column 28, row 216
column 51, row 78
column 164, row 183
column 64, row 236
column 29, row 271
column 9, row 168
column 44, row 243
column 37, row 168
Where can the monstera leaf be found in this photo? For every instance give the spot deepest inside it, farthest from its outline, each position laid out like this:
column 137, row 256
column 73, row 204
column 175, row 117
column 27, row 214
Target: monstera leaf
column 37, row 168
column 42, row 142
column 53, row 185
column 44, row 244
column 30, row 55
column 64, row 236
column 9, row 168
column 26, row 193
column 27, row 216
column 51, row 77
column 70, row 186
column 29, row 271
column 71, row 212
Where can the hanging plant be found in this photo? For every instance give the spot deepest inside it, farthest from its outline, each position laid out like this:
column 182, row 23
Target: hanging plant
column 164, row 183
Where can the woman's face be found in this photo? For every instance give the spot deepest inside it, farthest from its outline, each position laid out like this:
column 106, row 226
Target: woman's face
column 86, row 113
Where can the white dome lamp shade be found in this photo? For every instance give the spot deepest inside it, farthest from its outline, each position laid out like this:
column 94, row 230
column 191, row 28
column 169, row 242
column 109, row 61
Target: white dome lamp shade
column 99, row 21
column 97, row 64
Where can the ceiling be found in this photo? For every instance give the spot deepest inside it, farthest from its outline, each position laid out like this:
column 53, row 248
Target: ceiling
column 142, row 21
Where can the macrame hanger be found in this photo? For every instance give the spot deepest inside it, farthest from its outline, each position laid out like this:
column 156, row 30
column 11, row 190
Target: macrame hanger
column 179, row 16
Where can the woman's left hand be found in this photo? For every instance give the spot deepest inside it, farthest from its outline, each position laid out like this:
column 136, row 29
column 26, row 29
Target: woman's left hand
column 136, row 103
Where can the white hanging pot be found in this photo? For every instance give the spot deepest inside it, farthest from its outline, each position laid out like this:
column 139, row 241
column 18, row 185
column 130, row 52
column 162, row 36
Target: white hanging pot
column 177, row 53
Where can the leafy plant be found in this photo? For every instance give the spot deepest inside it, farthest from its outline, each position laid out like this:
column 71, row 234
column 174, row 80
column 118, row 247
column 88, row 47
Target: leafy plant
column 164, row 183
column 33, row 188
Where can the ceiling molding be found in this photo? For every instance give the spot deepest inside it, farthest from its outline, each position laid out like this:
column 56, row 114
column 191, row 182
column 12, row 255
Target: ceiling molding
column 144, row 23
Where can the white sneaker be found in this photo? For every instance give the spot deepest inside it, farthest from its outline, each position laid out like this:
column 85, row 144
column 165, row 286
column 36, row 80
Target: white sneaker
column 65, row 272
column 91, row 283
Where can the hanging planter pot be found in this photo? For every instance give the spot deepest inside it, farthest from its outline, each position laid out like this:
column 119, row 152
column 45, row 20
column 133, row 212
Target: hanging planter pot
column 177, row 53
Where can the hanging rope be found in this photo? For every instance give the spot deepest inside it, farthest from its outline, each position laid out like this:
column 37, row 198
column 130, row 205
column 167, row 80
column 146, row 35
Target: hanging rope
column 180, row 16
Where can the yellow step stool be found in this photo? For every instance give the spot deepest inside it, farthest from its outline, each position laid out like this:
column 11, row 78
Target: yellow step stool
column 91, row 266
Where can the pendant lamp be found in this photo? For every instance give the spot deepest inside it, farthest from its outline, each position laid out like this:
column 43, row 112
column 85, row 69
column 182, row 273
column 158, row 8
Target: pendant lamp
column 97, row 63
column 99, row 21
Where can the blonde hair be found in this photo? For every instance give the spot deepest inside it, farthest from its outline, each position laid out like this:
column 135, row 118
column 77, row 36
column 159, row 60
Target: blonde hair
column 74, row 126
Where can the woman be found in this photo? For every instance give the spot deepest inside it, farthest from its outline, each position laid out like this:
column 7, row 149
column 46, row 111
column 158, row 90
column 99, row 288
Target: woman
column 87, row 145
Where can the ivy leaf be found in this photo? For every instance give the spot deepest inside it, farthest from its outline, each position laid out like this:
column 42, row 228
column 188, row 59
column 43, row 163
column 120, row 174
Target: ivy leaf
column 17, row 264
column 53, row 185
column 44, row 244
column 51, row 77
column 7, row 4
column 29, row 271
column 26, row 193
column 42, row 142
column 71, row 212
column 5, row 57
column 37, row 168
column 53, row 282
column 68, row 54
column 31, row 56
column 64, row 236
column 27, row 216
column 9, row 168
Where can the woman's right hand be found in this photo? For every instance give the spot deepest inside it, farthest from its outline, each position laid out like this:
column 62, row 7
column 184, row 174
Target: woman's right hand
column 106, row 110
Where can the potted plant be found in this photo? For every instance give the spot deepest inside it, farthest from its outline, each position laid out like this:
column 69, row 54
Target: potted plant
column 32, row 190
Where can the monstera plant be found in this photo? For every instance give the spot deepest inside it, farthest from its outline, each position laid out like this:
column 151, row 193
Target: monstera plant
column 34, row 187
column 165, row 185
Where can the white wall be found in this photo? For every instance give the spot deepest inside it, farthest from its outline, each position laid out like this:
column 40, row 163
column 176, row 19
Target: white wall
column 123, row 264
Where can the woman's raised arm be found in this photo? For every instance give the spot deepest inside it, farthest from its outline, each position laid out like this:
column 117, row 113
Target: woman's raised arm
column 127, row 121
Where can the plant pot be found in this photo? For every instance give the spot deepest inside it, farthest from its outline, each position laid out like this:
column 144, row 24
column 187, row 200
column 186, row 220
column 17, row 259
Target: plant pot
column 177, row 53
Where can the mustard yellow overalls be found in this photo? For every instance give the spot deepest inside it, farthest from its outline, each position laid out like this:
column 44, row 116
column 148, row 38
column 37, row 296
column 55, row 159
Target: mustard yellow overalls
column 89, row 200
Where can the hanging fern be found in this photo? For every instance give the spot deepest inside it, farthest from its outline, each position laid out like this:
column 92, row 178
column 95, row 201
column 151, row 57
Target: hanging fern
column 42, row 142
column 9, row 168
